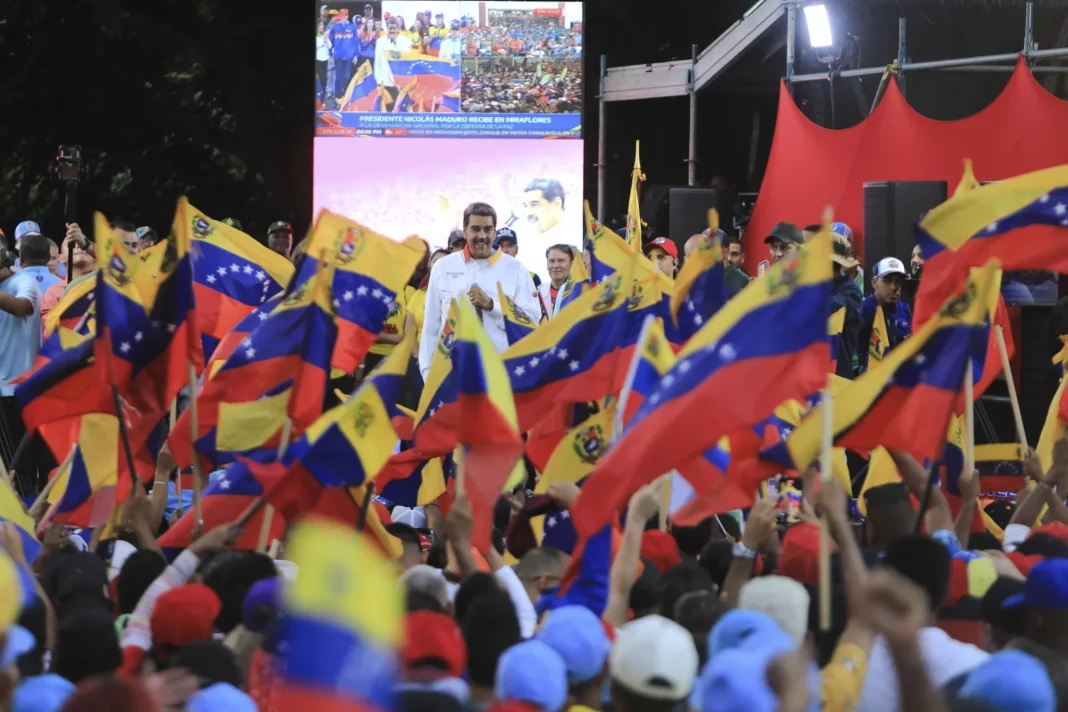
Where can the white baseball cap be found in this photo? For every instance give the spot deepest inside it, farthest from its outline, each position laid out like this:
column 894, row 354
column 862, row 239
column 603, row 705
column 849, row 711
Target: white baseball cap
column 889, row 265
column 654, row 658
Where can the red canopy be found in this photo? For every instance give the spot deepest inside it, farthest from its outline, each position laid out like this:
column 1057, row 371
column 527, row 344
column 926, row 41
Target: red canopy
column 811, row 167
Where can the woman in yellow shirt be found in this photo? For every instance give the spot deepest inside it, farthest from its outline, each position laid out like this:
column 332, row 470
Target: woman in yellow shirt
column 415, row 298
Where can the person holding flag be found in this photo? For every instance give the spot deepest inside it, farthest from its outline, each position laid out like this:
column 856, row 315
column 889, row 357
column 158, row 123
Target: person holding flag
column 896, row 313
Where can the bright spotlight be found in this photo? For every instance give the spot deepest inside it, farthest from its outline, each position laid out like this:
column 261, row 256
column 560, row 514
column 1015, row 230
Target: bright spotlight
column 819, row 25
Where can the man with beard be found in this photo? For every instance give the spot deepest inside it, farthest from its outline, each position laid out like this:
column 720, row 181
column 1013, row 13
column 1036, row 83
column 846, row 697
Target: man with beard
column 474, row 273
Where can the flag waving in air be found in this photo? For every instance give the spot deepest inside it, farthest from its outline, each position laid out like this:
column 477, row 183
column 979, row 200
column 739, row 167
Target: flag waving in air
column 905, row 401
column 146, row 328
column 372, row 271
column 517, row 323
column 653, row 358
column 777, row 325
column 700, row 288
column 233, row 272
column 634, row 213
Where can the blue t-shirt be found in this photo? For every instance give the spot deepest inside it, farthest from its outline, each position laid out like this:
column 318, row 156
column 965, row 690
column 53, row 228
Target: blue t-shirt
column 343, row 38
column 45, row 279
column 20, row 336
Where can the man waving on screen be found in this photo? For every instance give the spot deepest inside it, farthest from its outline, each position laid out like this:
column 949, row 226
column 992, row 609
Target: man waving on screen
column 474, row 274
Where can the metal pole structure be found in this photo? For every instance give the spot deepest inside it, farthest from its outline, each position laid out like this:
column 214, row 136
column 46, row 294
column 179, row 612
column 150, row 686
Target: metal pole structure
column 938, row 64
column 600, row 141
column 902, row 51
column 1000, row 68
column 791, row 41
column 1029, row 29
column 691, row 162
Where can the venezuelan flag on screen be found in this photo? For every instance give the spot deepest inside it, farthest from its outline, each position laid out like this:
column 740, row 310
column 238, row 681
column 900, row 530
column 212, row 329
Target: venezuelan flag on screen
column 146, row 330
column 904, row 402
column 778, row 325
column 233, row 273
column 424, row 81
column 517, row 323
column 280, row 370
column 653, row 358
column 371, row 271
column 574, row 356
column 362, row 91
column 342, row 622
column 349, row 444
column 700, row 289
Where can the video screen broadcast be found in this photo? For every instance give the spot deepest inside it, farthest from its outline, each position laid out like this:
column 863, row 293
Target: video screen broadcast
column 425, row 106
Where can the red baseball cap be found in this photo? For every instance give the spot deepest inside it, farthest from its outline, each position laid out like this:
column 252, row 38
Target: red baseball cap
column 665, row 244
column 1056, row 529
column 660, row 548
column 800, row 556
column 184, row 615
column 431, row 635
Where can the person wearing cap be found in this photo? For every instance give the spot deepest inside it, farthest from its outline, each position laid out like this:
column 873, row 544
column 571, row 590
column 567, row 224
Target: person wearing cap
column 855, row 272
column 1044, row 604
column 531, row 673
column 452, row 44
column 653, row 665
column 783, row 241
column 280, row 238
column 457, row 241
column 887, row 278
column 845, row 294
column 581, row 640
column 664, row 254
column 475, row 274
column 508, row 243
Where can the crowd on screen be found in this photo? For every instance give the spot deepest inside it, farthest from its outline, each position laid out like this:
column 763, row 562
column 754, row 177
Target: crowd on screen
column 524, row 87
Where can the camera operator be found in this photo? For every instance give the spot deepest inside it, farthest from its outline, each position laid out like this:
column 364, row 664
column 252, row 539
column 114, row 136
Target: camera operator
column 20, row 331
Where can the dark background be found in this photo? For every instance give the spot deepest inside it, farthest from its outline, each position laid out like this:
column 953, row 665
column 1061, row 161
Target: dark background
column 213, row 99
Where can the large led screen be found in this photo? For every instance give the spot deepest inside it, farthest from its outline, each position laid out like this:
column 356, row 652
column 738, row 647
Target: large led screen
column 424, row 107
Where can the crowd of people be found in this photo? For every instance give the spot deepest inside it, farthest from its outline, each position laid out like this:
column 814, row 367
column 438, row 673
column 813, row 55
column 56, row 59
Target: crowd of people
column 723, row 615
column 522, row 87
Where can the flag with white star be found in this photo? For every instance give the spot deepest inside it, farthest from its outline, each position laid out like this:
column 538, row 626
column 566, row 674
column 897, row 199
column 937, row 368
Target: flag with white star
column 279, row 370
column 64, row 382
column 72, row 309
column 233, row 273
column 146, row 322
column 653, row 358
column 904, row 401
column 700, row 288
column 720, row 382
column 371, row 271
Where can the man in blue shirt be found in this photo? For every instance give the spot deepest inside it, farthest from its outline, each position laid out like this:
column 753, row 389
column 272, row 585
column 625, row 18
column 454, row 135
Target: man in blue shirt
column 43, row 275
column 20, row 338
column 345, row 44
column 886, row 283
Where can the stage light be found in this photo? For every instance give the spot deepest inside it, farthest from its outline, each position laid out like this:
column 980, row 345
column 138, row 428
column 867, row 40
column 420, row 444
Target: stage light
column 819, row 25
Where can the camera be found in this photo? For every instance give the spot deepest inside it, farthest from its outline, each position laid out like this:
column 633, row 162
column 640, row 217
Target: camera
column 68, row 166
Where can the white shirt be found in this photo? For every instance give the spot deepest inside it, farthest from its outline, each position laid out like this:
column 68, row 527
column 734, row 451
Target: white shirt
column 546, row 296
column 383, row 47
column 451, row 48
column 322, row 48
column 944, row 659
column 453, row 275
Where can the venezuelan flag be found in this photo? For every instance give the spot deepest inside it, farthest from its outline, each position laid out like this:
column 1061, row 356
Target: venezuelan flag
column 700, row 288
column 236, row 336
column 905, row 401
column 517, row 323
column 608, row 251
column 777, row 325
column 575, row 455
column 11, row 510
column 342, row 622
column 488, row 426
column 578, row 281
column 574, row 356
column 348, row 445
column 64, row 384
column 835, row 325
column 878, row 344
column 426, row 483
column 146, row 329
column 362, row 90
column 372, row 271
column 634, row 214
column 435, row 418
column 653, row 358
column 91, row 473
column 233, row 273
column 73, row 310
column 425, row 81
column 280, row 370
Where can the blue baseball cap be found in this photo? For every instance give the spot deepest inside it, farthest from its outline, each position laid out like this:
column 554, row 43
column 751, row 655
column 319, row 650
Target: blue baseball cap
column 1011, row 681
column 25, row 228
column 579, row 638
column 736, row 680
column 221, row 697
column 18, row 642
column 840, row 228
column 750, row 630
column 1046, row 586
column 42, row 693
column 534, row 673
column 505, row 233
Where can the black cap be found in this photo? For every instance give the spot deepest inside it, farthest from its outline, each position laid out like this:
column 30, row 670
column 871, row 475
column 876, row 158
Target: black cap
column 456, row 236
column 786, row 232
column 280, row 226
column 506, row 233
column 234, row 223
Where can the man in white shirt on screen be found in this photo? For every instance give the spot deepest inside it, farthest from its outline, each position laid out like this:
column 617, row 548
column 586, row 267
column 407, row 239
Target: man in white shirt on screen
column 546, row 223
column 473, row 273
column 392, row 46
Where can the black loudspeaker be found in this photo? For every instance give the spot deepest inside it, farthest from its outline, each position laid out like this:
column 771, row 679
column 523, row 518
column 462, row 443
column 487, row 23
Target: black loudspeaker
column 891, row 210
column 654, row 207
column 689, row 212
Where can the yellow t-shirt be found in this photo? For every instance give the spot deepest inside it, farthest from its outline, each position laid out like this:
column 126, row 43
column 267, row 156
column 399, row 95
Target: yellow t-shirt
column 843, row 678
column 394, row 325
column 416, row 300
